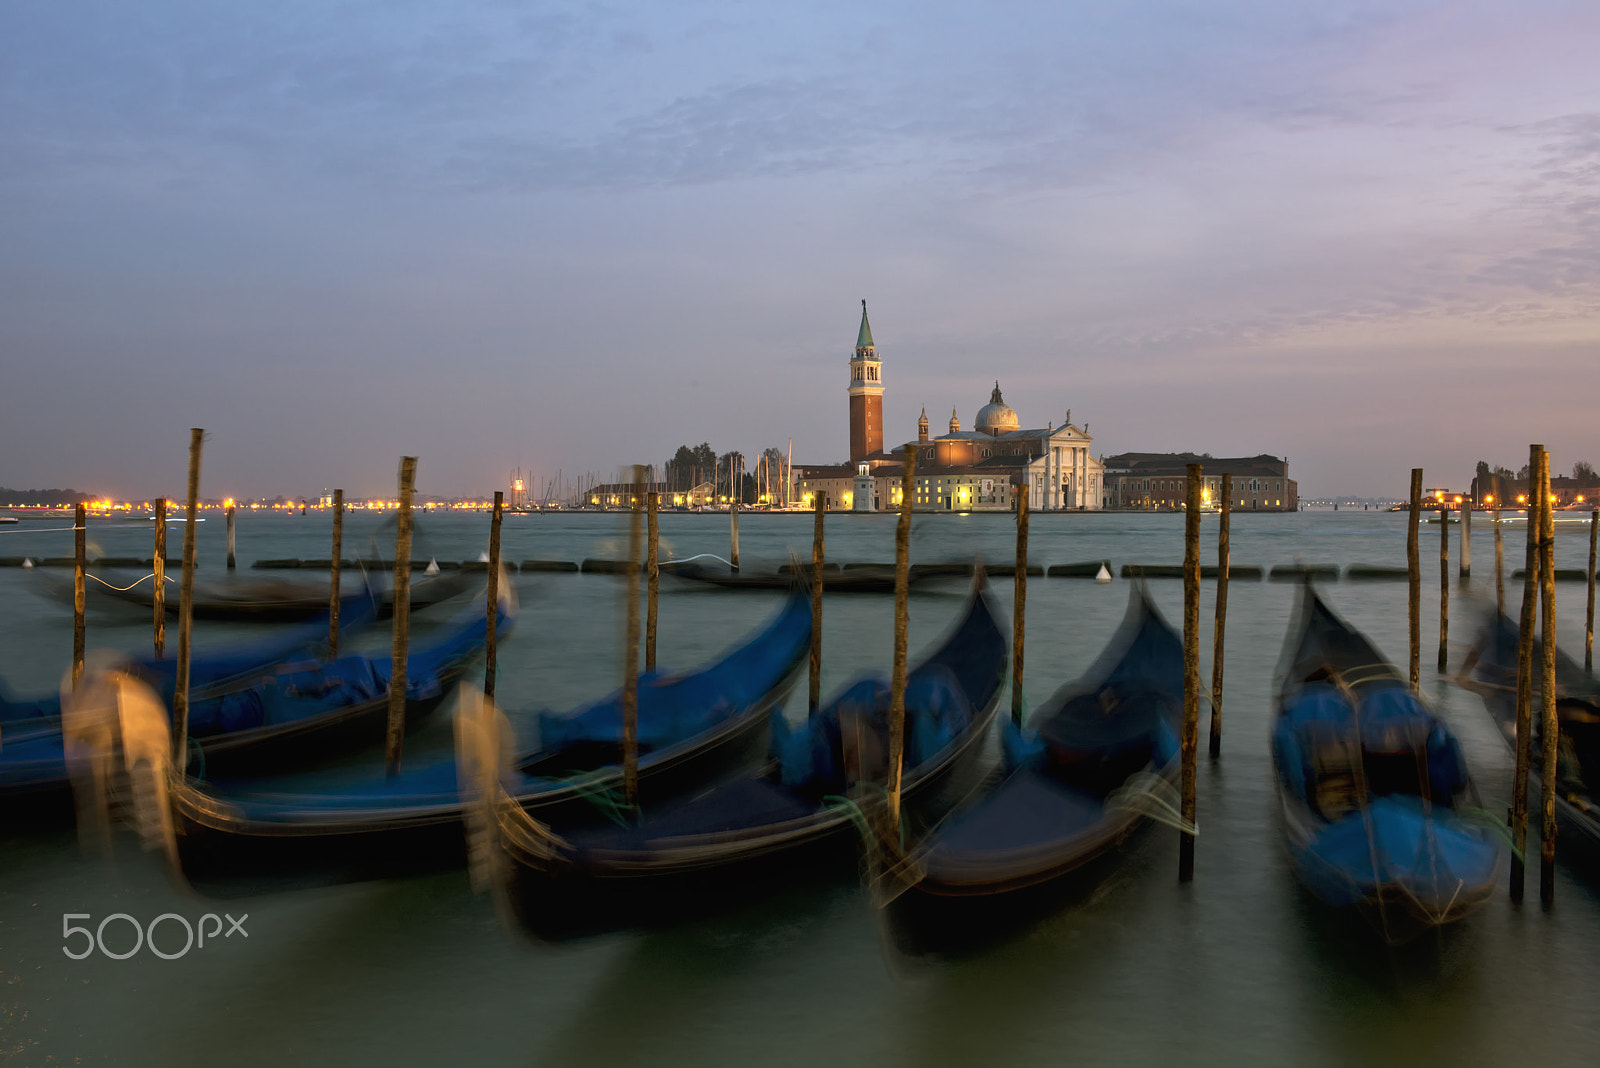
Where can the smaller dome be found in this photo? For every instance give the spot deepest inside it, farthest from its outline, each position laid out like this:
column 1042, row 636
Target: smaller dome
column 996, row 417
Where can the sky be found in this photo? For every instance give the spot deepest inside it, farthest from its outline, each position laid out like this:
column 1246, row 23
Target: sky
column 1365, row 236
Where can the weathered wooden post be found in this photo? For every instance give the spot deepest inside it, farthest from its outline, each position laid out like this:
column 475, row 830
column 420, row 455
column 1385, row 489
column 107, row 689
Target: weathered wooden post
column 180, row 690
column 897, row 680
column 80, row 565
column 333, row 576
column 1191, row 669
column 1550, row 727
column 1499, row 567
column 231, row 563
column 1524, row 731
column 630, row 643
column 814, row 700
column 1444, row 587
column 490, row 662
column 159, row 566
column 734, row 485
column 653, row 577
column 1414, row 578
column 1588, row 627
column 401, row 640
column 1466, row 541
column 1220, row 627
column 1019, row 609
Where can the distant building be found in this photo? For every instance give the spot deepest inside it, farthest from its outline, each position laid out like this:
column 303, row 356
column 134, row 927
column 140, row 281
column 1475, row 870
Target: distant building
column 1513, row 493
column 982, row 469
column 1155, row 481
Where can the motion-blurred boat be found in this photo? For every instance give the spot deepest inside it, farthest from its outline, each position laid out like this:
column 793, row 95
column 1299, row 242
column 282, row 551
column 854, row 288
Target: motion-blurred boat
column 857, row 579
column 274, row 717
column 259, row 600
column 800, row 815
column 1098, row 757
column 1373, row 785
column 693, row 727
column 1490, row 670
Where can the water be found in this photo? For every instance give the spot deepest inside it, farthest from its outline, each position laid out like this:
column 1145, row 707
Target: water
column 1239, row 967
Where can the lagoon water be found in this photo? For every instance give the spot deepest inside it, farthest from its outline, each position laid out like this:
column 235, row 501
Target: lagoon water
column 1239, row 967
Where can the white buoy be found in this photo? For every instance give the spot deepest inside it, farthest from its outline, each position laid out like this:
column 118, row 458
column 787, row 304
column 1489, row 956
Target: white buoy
column 1104, row 575
column 483, row 558
column 432, row 568
column 26, row 562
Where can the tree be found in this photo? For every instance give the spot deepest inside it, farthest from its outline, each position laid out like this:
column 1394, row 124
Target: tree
column 1583, row 473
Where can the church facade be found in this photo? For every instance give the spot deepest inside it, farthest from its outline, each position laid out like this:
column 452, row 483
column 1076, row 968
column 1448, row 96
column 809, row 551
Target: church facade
column 983, row 469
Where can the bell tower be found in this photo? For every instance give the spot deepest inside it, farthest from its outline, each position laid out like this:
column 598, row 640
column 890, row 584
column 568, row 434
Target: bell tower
column 866, row 396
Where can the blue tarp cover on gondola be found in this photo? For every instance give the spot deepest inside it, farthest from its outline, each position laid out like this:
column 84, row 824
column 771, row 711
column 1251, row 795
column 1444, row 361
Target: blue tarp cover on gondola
column 937, row 713
column 1398, row 840
column 675, row 707
column 206, row 671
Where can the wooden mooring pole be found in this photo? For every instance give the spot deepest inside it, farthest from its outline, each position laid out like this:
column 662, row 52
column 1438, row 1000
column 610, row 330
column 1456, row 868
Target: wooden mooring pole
column 630, row 645
column 401, row 640
column 231, row 562
column 1550, row 726
column 159, row 565
column 1220, row 626
column 1588, row 626
column 1019, row 608
column 897, row 679
column 814, row 698
column 492, row 626
column 734, row 485
column 1524, row 730
column 652, row 578
column 1444, row 588
column 80, row 567
column 1499, row 568
column 1414, row 579
column 333, row 575
column 180, row 691
column 1191, row 669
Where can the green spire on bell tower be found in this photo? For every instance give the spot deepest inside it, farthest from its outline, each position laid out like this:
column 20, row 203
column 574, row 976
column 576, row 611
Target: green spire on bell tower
column 864, row 338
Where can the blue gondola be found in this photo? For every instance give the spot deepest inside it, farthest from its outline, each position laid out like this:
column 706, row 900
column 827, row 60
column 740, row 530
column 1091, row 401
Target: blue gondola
column 1097, row 758
column 235, row 837
column 1373, row 786
column 31, row 747
column 1490, row 670
column 566, row 877
column 278, row 715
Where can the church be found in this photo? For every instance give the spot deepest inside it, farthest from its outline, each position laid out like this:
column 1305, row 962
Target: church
column 977, row 470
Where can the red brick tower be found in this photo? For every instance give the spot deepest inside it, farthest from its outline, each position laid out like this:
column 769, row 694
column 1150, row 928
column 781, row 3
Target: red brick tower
column 866, row 396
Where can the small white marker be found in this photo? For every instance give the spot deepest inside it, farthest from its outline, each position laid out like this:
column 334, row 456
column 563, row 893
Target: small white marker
column 1103, row 575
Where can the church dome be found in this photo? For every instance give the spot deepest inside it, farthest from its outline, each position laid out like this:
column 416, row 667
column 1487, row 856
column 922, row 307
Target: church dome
column 996, row 417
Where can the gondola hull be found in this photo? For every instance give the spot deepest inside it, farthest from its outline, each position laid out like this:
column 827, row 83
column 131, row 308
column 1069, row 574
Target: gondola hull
column 1041, row 835
column 742, row 837
column 1490, row 670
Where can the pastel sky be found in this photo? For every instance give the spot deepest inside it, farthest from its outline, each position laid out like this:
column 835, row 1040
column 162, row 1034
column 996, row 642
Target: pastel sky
column 1362, row 235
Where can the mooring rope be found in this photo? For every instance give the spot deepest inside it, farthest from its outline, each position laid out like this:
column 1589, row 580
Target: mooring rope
column 1148, row 794
column 592, row 787
column 124, row 589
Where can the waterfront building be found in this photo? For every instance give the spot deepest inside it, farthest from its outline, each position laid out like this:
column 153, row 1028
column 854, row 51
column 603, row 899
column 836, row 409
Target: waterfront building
column 1150, row 481
column 982, row 469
